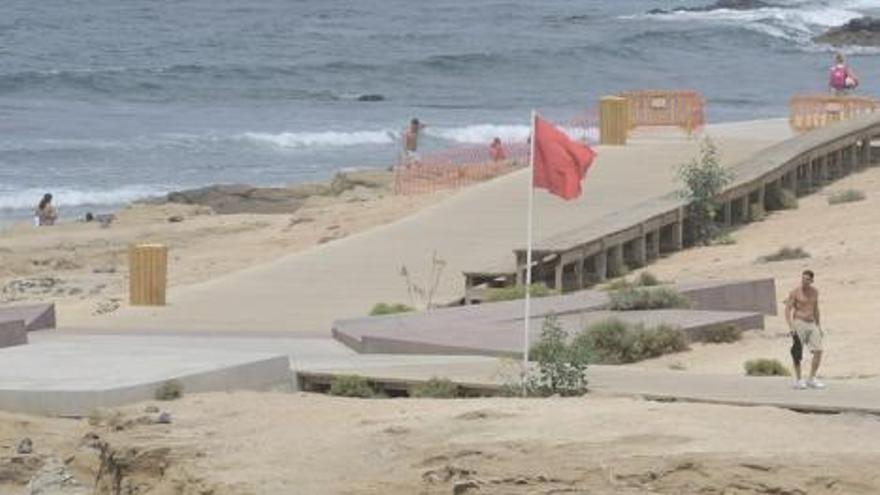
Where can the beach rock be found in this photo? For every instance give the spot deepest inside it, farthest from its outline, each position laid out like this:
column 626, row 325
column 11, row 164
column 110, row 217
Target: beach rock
column 864, row 31
column 371, row 97
column 175, row 219
column 239, row 198
column 54, row 478
column 25, row 446
column 370, row 179
column 719, row 5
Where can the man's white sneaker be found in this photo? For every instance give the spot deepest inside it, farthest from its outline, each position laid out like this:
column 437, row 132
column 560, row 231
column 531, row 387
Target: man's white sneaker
column 813, row 383
column 800, row 385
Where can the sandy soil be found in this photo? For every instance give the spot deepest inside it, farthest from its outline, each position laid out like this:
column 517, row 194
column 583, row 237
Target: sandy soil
column 273, row 443
column 82, row 266
column 842, row 242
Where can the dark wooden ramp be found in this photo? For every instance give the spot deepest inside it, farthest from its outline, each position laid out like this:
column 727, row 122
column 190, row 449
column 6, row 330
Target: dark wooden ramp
column 496, row 329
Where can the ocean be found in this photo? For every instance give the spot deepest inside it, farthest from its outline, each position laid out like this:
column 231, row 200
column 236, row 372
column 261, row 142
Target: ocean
column 105, row 102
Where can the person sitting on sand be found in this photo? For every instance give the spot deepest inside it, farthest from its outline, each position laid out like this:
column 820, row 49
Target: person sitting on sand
column 802, row 316
column 46, row 213
column 841, row 79
column 496, row 150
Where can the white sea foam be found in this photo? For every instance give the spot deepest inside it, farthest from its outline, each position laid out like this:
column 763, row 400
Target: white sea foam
column 327, row 139
column 27, row 198
column 481, row 133
column 797, row 22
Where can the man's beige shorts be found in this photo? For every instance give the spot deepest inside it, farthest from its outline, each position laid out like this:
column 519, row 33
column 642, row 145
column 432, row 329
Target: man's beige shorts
column 809, row 333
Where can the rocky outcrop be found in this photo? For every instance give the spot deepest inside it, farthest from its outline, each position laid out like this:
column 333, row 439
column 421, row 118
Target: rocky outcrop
column 864, row 31
column 719, row 5
column 240, row 198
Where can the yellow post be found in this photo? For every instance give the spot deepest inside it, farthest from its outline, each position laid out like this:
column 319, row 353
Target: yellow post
column 148, row 274
column 613, row 120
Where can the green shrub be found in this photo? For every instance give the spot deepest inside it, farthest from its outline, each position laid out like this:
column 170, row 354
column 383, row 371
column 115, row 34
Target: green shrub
column 765, row 367
column 702, row 181
column 562, row 366
column 638, row 298
column 723, row 239
column 848, row 196
column 170, row 390
column 757, row 212
column 615, row 342
column 647, row 279
column 778, row 198
column 518, row 292
column 617, row 268
column 390, row 309
column 724, row 334
column 783, row 254
column 351, row 386
column 435, row 388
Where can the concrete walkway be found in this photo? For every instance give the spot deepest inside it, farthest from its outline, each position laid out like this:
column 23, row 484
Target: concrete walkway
column 475, row 228
column 853, row 396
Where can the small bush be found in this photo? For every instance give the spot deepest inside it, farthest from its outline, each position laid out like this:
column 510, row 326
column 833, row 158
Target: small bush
column 351, row 386
column 616, row 342
column 617, row 284
column 617, row 269
column 848, row 196
column 518, row 292
column 562, row 366
column 435, row 388
column 722, row 335
column 757, row 212
column 781, row 199
column 170, row 390
column 702, row 180
column 765, row 367
column 783, row 254
column 723, row 239
column 390, row 309
column 638, row 298
column 645, row 279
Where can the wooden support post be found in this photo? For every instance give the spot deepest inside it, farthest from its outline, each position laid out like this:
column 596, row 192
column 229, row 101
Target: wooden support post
column 520, row 269
column 616, row 259
column 728, row 213
column 744, row 209
column 613, row 120
column 557, row 282
column 468, row 286
column 148, row 274
column 601, row 266
column 640, row 251
column 579, row 273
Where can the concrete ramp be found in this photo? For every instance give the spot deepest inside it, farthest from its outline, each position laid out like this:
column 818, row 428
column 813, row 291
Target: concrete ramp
column 68, row 378
column 34, row 316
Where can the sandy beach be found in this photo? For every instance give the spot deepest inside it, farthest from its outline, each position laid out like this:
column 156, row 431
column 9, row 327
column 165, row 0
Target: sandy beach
column 260, row 443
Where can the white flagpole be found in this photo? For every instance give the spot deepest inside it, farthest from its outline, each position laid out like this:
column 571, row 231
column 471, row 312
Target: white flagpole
column 528, row 298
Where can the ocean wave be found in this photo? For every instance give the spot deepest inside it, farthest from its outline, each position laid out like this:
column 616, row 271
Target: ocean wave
column 481, row 133
column 798, row 22
column 485, row 133
column 27, row 198
column 296, row 140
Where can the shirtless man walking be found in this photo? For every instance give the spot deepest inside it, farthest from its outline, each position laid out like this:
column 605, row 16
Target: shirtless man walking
column 802, row 316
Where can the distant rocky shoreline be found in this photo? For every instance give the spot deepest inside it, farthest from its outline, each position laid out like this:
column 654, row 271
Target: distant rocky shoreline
column 864, row 31
column 243, row 198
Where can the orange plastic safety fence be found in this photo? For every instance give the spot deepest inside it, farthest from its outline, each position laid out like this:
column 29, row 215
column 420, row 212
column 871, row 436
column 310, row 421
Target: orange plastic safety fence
column 811, row 111
column 685, row 109
column 459, row 167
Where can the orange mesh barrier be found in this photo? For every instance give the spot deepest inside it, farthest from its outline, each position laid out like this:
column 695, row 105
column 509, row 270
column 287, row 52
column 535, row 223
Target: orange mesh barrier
column 683, row 109
column 811, row 111
column 459, row 167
